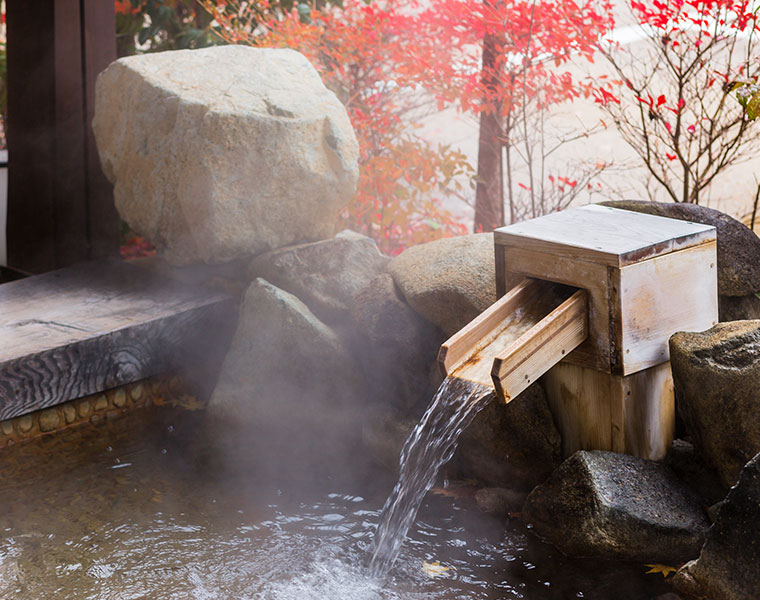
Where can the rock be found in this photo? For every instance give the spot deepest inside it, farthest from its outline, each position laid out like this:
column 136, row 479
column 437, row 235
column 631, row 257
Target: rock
column 224, row 152
column 25, row 423
column 395, row 346
column 120, row 398
column 135, row 393
column 101, row 403
column 738, row 245
column 384, row 435
column 449, row 281
column 738, row 308
column 323, row 275
column 715, row 374
column 513, row 445
column 69, row 413
column 84, row 408
column 49, row 419
column 712, row 511
column 728, row 567
column 688, row 465
column 499, row 501
column 617, row 506
column 288, row 382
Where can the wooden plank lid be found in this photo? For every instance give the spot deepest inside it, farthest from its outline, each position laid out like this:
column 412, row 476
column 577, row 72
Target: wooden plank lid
column 604, row 235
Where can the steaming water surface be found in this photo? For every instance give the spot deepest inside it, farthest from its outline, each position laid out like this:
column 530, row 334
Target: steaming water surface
column 133, row 509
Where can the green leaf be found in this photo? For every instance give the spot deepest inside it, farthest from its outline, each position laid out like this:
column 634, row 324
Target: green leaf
column 753, row 107
column 143, row 36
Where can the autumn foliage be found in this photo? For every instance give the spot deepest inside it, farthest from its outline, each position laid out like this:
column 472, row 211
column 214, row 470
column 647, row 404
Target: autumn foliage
column 688, row 119
column 363, row 53
column 534, row 41
column 390, row 63
column 508, row 63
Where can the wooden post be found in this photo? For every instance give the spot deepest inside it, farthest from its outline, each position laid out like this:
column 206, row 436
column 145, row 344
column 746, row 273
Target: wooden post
column 595, row 410
column 60, row 208
column 99, row 26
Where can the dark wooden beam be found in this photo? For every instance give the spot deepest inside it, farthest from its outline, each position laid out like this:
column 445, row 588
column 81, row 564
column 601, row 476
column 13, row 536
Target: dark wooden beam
column 31, row 126
column 60, row 207
column 69, row 182
column 99, row 51
column 84, row 329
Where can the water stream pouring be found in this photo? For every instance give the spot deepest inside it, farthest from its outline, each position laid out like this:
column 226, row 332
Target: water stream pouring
column 597, row 294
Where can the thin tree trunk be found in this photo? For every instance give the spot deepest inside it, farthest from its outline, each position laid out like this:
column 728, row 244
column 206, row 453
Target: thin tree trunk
column 489, row 193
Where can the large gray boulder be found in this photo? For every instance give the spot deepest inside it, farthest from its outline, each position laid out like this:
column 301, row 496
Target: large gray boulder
column 513, row 445
column 289, row 377
column 396, row 347
column 728, row 568
column 618, row 506
column 715, row 374
column 449, row 281
column 224, row 152
column 384, row 434
column 325, row 275
column 738, row 246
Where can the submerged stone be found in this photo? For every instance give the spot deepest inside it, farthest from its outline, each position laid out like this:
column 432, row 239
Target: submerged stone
column 49, row 419
column 618, row 506
column 728, row 568
column 715, row 373
column 738, row 245
column 499, row 501
column 325, row 275
column 449, row 281
column 224, row 152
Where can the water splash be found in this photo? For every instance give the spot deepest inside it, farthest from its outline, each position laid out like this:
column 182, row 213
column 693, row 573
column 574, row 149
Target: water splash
column 428, row 448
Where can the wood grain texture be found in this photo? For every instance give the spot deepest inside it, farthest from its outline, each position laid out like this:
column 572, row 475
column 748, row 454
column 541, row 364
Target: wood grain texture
column 657, row 297
column 99, row 29
column 84, row 329
column 649, row 414
column 69, row 185
column 595, row 351
column 60, row 206
column 485, row 327
column 499, row 257
column 30, row 131
column 603, row 235
column 540, row 348
column 600, row 411
column 518, row 338
column 633, row 310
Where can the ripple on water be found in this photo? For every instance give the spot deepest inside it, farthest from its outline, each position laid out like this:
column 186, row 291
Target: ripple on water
column 163, row 528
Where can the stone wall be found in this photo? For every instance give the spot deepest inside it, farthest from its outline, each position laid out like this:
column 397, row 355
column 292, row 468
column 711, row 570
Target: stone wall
column 162, row 390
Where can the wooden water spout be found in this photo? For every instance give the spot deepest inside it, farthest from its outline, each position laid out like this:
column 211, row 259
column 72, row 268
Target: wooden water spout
column 519, row 338
column 597, row 292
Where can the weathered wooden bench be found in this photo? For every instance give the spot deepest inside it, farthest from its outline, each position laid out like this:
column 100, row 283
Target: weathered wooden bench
column 98, row 325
